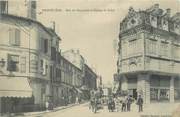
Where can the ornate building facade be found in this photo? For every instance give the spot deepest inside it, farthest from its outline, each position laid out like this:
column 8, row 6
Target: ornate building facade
column 149, row 54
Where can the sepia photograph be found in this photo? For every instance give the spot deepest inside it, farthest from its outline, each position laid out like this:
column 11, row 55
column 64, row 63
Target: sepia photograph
column 89, row 58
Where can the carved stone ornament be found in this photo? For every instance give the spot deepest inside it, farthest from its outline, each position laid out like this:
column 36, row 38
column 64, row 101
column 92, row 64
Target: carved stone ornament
column 132, row 61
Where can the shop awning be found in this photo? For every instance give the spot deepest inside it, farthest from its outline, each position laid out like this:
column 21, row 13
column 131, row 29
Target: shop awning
column 15, row 87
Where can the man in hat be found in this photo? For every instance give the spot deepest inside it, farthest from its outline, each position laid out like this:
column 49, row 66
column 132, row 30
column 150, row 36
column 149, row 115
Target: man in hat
column 140, row 103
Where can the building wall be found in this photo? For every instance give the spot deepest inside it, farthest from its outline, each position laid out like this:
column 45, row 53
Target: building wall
column 149, row 47
column 90, row 78
column 148, row 43
column 70, row 74
column 33, row 54
column 75, row 58
column 23, row 8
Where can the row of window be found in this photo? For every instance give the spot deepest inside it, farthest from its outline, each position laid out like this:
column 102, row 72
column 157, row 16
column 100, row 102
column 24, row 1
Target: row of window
column 15, row 40
column 15, row 63
column 153, row 48
column 18, row 64
column 131, row 48
column 66, row 77
column 157, row 94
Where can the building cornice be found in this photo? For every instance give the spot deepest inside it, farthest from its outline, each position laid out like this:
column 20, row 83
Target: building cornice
column 150, row 29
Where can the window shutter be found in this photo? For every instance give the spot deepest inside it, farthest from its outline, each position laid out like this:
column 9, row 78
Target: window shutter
column 45, row 45
column 17, row 37
column 14, row 37
column 11, row 36
column 44, row 67
column 3, row 6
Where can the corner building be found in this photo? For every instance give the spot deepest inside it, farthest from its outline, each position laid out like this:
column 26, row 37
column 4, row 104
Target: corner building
column 149, row 54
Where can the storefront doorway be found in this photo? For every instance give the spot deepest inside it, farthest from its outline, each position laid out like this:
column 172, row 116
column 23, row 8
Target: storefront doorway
column 132, row 86
column 133, row 93
column 160, row 89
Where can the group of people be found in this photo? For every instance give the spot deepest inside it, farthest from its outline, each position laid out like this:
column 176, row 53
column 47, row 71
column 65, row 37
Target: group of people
column 127, row 101
column 116, row 103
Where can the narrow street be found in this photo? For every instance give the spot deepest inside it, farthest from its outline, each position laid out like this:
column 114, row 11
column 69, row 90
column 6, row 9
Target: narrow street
column 83, row 111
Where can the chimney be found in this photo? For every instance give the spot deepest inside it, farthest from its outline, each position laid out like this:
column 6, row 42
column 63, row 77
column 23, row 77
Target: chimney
column 31, row 9
column 168, row 12
column 54, row 26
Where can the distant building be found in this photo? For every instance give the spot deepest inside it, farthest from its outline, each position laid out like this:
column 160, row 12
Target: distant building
column 149, row 58
column 107, row 91
column 88, row 76
column 75, row 58
column 99, row 81
column 71, row 81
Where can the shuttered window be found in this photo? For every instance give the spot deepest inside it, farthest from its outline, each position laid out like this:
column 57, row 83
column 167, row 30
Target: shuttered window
column 13, row 63
column 14, row 37
column 23, row 64
column 3, row 6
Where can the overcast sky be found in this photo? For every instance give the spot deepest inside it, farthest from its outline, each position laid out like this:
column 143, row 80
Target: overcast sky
column 94, row 32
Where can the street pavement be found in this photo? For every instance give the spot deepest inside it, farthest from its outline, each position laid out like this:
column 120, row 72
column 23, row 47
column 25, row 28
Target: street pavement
column 152, row 110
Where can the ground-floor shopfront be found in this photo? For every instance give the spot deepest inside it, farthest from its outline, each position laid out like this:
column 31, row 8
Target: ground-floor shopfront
column 152, row 87
column 15, row 94
column 21, row 94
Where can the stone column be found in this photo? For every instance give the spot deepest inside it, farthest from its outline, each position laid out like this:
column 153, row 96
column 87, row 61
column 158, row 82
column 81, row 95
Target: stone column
column 143, row 87
column 171, row 93
column 124, row 83
column 147, row 88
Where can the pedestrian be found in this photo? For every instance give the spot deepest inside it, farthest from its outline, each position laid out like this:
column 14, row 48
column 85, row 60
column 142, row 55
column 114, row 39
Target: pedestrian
column 123, row 108
column 129, row 102
column 113, row 105
column 91, row 103
column 118, row 104
column 109, row 104
column 77, row 99
column 140, row 103
column 47, row 105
